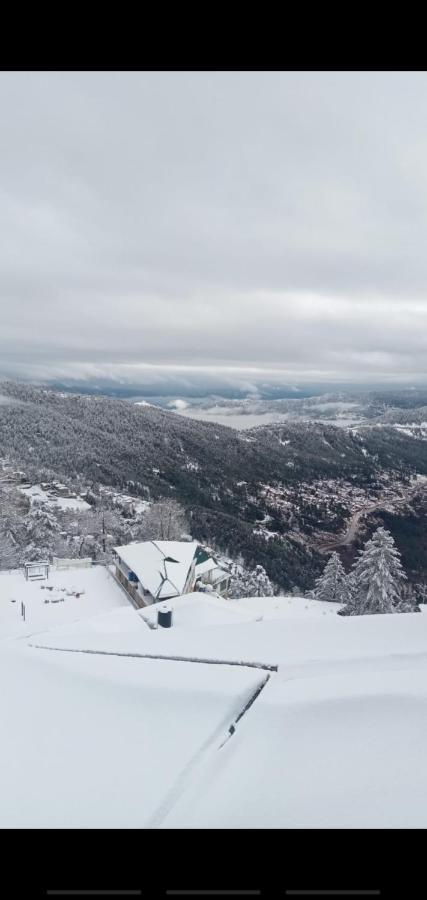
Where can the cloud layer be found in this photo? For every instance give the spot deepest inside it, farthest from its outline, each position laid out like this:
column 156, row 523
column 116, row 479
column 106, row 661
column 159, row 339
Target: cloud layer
column 214, row 222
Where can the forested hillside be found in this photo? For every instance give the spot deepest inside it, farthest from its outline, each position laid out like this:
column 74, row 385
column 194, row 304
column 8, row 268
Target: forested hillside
column 222, row 476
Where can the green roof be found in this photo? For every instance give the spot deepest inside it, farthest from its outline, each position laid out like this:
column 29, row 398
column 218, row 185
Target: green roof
column 201, row 555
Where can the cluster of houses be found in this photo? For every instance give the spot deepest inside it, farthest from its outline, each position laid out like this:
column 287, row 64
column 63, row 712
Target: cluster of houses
column 151, row 571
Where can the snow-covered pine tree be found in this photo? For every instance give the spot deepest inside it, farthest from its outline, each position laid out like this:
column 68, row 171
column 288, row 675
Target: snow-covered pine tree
column 348, row 588
column 331, row 584
column 263, row 584
column 377, row 577
column 242, row 584
column 420, row 591
column 41, row 526
column 408, row 601
column 250, row 584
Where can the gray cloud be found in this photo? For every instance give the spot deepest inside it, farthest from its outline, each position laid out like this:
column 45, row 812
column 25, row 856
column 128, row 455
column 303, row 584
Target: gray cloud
column 249, row 225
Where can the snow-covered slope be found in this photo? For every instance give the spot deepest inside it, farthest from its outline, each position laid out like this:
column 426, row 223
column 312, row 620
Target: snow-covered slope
column 288, row 607
column 328, row 714
column 99, row 742
column 340, row 750
column 290, row 642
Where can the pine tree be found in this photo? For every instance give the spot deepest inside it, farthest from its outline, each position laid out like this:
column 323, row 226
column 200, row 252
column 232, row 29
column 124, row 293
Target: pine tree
column 377, row 578
column 331, row 585
column 408, row 599
column 242, row 584
column 263, row 584
column 420, row 591
column 250, row 584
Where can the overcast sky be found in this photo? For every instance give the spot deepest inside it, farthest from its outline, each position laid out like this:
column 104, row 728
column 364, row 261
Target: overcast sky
column 245, row 225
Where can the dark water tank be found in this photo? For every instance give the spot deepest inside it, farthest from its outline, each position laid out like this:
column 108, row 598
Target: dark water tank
column 164, row 616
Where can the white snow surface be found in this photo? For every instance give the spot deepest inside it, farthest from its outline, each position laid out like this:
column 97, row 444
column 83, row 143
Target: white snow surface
column 36, row 493
column 101, row 742
column 288, row 607
column 337, row 749
column 108, row 738
column 98, row 593
column 291, row 642
column 200, row 610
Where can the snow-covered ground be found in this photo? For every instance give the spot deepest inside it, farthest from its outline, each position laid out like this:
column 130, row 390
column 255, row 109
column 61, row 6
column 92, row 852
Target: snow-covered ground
column 99, row 742
column 200, row 610
column 340, row 750
column 288, row 607
column 124, row 736
column 53, row 602
column 53, row 500
column 293, row 643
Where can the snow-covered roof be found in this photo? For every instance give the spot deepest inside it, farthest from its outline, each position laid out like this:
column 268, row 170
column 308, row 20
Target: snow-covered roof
column 219, row 574
column 211, row 565
column 206, row 566
column 161, row 566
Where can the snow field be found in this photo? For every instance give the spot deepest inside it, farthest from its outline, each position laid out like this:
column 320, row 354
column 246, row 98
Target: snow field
column 336, row 751
column 336, row 737
column 289, row 643
column 98, row 593
column 96, row 742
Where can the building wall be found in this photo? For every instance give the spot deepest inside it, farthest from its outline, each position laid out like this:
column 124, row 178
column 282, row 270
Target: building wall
column 134, row 589
column 217, row 579
column 222, row 587
column 191, row 579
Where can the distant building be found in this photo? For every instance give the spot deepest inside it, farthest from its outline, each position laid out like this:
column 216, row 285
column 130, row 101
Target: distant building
column 210, row 573
column 159, row 570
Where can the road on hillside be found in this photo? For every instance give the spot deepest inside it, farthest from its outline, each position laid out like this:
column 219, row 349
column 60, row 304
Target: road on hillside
column 354, row 522
column 352, row 528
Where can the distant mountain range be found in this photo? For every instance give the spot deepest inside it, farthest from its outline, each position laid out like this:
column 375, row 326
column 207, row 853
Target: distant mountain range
column 344, row 408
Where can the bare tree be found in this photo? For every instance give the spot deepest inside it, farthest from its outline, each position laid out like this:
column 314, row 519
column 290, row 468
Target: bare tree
column 165, row 521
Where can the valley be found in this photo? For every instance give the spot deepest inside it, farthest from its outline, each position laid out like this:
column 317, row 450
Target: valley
column 281, row 495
